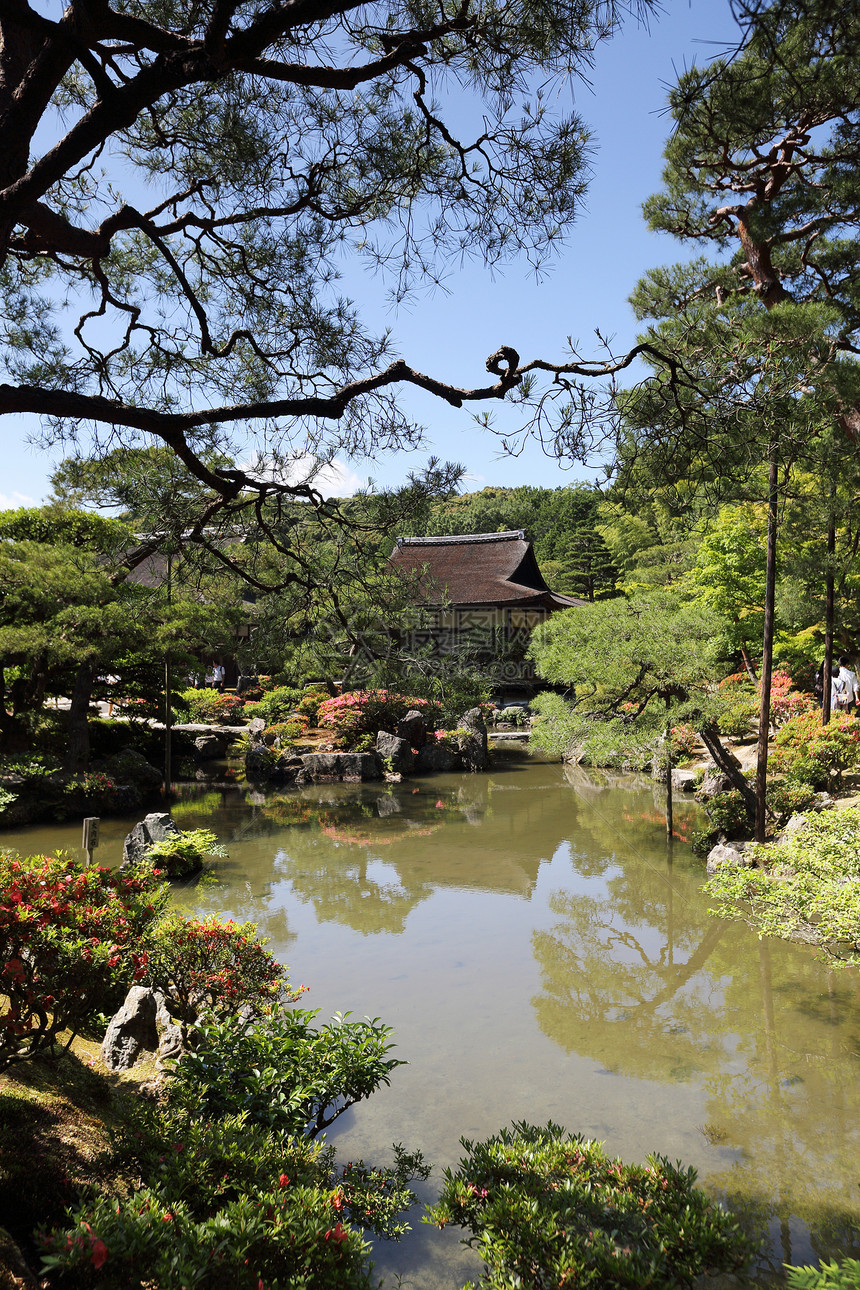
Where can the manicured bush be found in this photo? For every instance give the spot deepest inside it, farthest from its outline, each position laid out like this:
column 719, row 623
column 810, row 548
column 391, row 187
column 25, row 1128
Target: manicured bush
column 68, row 936
column 232, row 1193
column 276, row 705
column 284, row 1072
column 548, row 1209
column 309, row 705
column 815, row 753
column 227, row 1205
column 179, row 857
column 202, row 963
column 807, row 887
column 285, row 732
column 365, row 712
column 211, row 707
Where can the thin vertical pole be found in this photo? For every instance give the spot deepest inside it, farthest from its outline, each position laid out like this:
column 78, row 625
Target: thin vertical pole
column 767, row 651
column 168, row 707
column 829, row 607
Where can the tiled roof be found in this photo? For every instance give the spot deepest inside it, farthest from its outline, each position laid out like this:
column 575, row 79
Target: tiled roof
column 477, row 569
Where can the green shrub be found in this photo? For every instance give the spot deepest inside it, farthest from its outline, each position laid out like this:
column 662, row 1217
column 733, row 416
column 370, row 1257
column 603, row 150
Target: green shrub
column 309, row 704
column 787, row 797
column 276, row 705
column 231, row 1193
column 210, row 707
column 807, row 886
column 817, row 754
column 830, row 1276
column 283, row 1072
column 286, row 732
column 180, row 857
column 549, row 1209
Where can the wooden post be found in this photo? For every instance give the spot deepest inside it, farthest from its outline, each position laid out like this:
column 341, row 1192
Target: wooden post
column 829, row 598
column 767, row 651
column 168, row 707
column 90, row 839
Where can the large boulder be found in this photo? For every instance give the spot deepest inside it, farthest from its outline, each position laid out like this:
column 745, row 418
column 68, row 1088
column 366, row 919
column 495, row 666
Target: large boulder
column 132, row 1030
column 474, row 749
column 319, row 767
column 726, row 856
column 684, row 781
column 210, row 747
column 413, row 729
column 395, row 752
column 436, row 756
column 131, row 767
column 155, row 827
column 713, row 782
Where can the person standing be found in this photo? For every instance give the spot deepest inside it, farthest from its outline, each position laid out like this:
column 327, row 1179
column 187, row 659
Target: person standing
column 852, row 686
column 218, row 676
column 838, row 690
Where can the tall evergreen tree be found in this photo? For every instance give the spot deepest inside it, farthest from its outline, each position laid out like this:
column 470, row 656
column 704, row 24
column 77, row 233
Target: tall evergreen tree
column 760, row 341
column 179, row 183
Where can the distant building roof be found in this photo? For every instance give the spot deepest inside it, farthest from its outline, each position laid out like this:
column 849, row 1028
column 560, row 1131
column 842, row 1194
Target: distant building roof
column 478, row 569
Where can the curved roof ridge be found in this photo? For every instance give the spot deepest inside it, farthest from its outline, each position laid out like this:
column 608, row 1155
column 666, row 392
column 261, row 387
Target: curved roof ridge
column 510, row 535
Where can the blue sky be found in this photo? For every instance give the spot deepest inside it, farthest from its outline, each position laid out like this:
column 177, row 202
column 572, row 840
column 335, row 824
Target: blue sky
column 450, row 334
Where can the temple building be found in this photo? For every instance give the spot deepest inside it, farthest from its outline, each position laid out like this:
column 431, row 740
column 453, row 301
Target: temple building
column 482, row 591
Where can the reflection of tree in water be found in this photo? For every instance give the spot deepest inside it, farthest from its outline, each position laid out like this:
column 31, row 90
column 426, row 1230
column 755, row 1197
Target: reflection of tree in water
column 798, row 1099
column 627, row 988
column 637, row 977
column 223, row 891
column 333, row 856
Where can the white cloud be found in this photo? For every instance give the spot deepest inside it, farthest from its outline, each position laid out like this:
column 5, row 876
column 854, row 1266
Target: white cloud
column 332, row 478
column 11, row 503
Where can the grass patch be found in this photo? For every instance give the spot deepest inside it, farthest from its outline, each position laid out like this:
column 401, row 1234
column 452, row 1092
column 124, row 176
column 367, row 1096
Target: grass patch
column 56, row 1121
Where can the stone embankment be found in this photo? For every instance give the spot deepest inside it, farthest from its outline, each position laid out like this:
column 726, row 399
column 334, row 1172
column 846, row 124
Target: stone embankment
column 411, row 750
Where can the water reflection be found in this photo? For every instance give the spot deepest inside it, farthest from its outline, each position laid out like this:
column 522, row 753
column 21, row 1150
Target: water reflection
column 543, row 952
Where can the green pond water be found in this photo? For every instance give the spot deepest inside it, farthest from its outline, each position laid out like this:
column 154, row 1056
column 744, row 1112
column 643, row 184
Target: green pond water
column 542, row 953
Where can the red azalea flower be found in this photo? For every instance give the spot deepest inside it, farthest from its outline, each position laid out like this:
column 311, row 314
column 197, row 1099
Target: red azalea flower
column 100, row 1254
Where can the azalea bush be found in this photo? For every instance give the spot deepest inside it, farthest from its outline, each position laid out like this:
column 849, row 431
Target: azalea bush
column 283, row 1071
column 98, row 788
column 233, row 1193
column 228, row 1200
column 806, row 887
column 69, row 936
column 365, row 712
column 201, row 963
column 786, row 701
column 211, row 707
column 545, row 1208
column 684, row 741
column 807, row 750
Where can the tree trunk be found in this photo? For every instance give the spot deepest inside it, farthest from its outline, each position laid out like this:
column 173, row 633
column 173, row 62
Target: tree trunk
column 829, row 608
column 767, row 651
column 728, row 763
column 78, row 755
column 750, row 670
